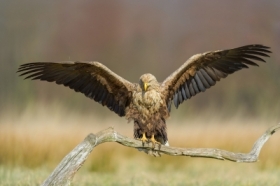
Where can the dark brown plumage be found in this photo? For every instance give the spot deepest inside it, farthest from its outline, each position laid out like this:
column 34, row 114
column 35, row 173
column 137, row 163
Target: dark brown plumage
column 147, row 103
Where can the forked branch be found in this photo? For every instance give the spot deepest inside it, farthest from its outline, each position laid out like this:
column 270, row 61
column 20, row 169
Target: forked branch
column 65, row 171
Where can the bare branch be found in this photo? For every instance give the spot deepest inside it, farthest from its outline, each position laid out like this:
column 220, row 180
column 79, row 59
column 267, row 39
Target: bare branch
column 65, row 171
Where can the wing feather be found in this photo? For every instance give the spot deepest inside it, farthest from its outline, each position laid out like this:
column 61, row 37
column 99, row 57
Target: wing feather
column 183, row 93
column 92, row 79
column 202, row 71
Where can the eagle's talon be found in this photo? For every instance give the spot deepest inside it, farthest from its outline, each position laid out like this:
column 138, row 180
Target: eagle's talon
column 144, row 139
column 154, row 142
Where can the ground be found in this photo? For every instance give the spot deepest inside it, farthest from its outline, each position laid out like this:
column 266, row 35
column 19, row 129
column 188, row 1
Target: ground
column 195, row 172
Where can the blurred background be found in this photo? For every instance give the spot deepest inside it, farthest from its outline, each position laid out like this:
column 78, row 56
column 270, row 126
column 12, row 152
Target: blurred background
column 132, row 38
column 136, row 37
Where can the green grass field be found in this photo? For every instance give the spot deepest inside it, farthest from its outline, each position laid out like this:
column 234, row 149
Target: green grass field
column 134, row 172
column 31, row 145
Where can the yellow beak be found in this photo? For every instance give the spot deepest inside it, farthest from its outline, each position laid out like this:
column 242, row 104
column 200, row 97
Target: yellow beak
column 145, row 86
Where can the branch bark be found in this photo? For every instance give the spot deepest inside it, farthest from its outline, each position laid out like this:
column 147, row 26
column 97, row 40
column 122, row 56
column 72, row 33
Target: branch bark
column 65, row 171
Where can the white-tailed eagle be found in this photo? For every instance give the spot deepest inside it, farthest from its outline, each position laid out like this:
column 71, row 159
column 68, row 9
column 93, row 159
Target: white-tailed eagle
column 148, row 102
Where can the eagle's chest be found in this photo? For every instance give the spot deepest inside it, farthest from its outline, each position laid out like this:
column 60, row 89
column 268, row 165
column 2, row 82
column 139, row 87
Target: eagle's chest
column 148, row 102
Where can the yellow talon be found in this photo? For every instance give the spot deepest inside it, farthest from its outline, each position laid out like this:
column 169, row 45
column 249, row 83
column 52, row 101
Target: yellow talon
column 154, row 141
column 144, row 139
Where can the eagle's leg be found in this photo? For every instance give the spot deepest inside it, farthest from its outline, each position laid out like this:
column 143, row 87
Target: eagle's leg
column 154, row 141
column 144, row 139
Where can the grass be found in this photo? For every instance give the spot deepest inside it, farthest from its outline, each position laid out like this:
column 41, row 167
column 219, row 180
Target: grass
column 33, row 142
column 202, row 172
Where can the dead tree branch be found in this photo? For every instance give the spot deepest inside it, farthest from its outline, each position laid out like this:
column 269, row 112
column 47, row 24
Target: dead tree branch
column 65, row 171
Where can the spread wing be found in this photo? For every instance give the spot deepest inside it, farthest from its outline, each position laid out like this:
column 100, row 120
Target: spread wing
column 92, row 79
column 202, row 71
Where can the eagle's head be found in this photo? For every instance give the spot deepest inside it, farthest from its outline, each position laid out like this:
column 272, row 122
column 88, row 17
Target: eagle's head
column 148, row 82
